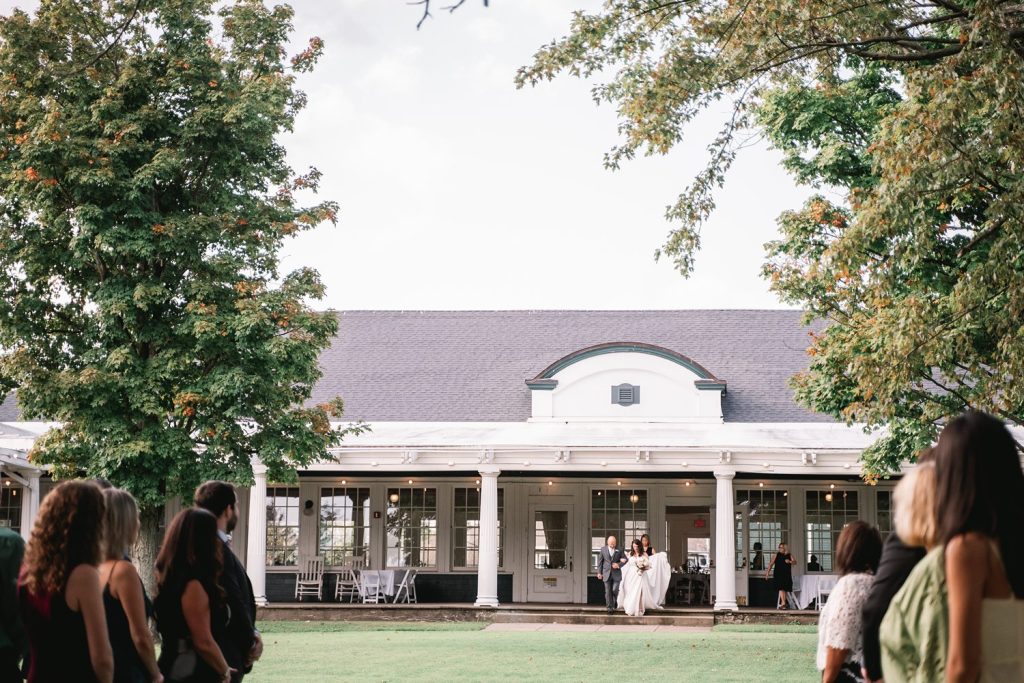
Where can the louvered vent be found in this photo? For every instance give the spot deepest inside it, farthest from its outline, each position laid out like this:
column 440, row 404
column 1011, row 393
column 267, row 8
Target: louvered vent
column 626, row 394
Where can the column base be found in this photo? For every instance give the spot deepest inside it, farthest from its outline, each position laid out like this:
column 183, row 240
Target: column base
column 486, row 602
column 260, row 601
column 726, row 606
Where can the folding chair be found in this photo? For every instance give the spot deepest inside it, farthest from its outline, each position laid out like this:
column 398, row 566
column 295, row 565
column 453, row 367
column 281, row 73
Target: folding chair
column 370, row 587
column 348, row 585
column 822, row 597
column 310, row 580
column 408, row 586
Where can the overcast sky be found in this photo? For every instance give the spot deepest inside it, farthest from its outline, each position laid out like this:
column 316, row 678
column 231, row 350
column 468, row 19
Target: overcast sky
column 458, row 191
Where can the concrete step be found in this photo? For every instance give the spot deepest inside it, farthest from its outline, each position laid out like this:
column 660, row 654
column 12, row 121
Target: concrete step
column 653, row 618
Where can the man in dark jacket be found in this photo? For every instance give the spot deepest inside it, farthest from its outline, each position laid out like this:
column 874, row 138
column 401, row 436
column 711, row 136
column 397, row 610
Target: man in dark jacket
column 242, row 643
column 12, row 633
column 898, row 560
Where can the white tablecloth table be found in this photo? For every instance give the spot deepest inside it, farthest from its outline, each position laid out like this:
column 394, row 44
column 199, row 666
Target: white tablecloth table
column 387, row 580
column 806, row 589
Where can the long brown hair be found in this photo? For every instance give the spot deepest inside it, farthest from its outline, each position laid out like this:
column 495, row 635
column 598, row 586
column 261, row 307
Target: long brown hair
column 68, row 532
column 858, row 549
column 191, row 549
column 979, row 487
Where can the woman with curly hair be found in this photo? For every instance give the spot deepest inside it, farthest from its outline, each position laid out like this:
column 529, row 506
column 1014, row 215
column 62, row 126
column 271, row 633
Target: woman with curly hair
column 191, row 611
column 59, row 589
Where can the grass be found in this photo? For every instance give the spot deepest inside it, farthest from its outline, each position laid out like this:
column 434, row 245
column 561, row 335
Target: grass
column 416, row 651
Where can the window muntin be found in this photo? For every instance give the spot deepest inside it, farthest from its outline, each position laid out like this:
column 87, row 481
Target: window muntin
column 344, row 531
column 282, row 525
column 827, row 513
column 411, row 527
column 768, row 524
column 466, row 528
column 883, row 513
column 550, row 539
column 618, row 512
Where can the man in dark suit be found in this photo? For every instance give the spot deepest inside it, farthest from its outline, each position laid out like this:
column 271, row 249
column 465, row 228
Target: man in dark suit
column 242, row 642
column 609, row 570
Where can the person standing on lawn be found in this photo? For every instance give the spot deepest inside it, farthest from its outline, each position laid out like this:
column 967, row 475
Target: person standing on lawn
column 242, row 644
column 13, row 642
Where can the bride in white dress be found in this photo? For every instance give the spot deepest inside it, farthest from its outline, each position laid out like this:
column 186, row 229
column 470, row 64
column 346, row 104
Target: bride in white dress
column 644, row 581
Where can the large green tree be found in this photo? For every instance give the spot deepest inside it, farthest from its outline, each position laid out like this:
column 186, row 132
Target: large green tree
column 144, row 201
column 913, row 110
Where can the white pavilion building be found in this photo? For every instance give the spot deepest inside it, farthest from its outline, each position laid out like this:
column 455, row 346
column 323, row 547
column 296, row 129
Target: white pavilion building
column 506, row 445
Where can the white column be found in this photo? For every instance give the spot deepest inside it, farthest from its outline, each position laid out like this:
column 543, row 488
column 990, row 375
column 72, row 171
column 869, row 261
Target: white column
column 256, row 541
column 725, row 542
column 487, row 569
column 29, row 504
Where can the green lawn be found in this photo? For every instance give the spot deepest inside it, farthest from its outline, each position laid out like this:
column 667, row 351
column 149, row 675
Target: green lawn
column 372, row 652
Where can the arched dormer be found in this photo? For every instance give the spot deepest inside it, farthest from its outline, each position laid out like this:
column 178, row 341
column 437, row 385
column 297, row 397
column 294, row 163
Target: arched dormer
column 629, row 382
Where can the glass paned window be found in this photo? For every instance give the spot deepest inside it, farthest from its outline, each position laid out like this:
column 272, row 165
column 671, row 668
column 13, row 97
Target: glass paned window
column 344, row 525
column 618, row 512
column 412, row 527
column 282, row 525
column 550, row 539
column 10, row 505
column 466, row 528
column 768, row 524
column 883, row 507
column 828, row 512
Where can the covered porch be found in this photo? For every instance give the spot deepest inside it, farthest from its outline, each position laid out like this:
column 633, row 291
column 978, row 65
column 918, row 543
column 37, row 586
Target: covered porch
column 511, row 525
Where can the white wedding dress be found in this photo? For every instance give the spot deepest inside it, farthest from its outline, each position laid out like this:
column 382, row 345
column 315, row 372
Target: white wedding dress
column 641, row 591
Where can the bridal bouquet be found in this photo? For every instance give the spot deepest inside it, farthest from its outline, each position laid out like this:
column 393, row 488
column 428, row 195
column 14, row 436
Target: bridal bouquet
column 642, row 564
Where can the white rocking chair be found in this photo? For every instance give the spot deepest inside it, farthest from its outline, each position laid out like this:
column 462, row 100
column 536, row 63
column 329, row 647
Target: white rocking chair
column 310, row 580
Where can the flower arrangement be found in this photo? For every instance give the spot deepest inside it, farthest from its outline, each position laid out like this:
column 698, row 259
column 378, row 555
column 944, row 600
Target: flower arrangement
column 642, row 564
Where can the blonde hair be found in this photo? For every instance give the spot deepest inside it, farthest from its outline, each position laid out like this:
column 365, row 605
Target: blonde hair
column 914, row 501
column 122, row 523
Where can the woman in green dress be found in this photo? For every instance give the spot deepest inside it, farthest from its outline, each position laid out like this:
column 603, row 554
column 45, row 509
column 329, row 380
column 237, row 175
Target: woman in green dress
column 959, row 616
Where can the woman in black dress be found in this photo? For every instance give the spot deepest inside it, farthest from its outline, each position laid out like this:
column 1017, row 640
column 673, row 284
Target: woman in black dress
column 783, row 563
column 645, row 544
column 191, row 611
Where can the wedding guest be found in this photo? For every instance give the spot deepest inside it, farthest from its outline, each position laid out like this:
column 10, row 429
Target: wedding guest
column 191, row 608
column 59, row 589
column 961, row 593
column 814, row 565
column 914, row 519
column 127, row 606
column 645, row 543
column 12, row 631
column 840, row 632
column 242, row 644
column 757, row 563
column 783, row 563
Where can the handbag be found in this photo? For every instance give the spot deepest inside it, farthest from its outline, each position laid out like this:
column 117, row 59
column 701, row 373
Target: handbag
column 849, row 673
column 185, row 662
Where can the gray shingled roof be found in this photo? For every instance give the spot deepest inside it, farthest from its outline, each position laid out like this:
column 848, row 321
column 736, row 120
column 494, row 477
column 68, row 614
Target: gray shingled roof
column 470, row 366
column 454, row 366
column 8, row 408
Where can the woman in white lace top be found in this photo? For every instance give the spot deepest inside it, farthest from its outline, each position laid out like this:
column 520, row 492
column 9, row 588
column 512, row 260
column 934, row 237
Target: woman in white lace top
column 840, row 628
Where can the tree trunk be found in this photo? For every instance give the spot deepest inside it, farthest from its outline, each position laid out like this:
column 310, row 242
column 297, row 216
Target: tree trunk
column 150, row 537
